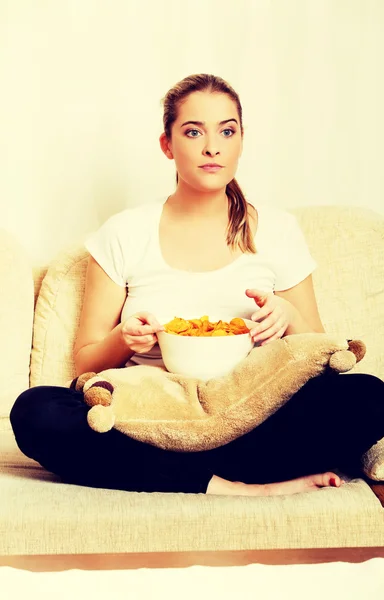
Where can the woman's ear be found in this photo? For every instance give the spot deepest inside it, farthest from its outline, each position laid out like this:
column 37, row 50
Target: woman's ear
column 166, row 146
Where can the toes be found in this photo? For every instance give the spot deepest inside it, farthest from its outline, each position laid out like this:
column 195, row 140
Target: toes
column 326, row 479
column 331, row 479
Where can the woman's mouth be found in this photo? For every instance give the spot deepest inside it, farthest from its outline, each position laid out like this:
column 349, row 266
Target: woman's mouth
column 211, row 168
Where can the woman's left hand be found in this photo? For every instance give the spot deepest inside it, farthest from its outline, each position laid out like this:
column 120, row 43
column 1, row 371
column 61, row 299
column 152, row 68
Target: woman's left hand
column 273, row 317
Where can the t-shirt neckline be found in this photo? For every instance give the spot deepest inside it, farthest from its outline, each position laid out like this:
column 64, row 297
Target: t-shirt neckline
column 164, row 263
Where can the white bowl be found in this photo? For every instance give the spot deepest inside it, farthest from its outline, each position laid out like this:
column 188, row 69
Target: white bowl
column 204, row 357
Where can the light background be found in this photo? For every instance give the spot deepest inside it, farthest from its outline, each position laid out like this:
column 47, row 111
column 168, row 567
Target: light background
column 80, row 114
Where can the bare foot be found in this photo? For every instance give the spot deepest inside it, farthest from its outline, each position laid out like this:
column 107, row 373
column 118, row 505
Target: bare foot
column 310, row 483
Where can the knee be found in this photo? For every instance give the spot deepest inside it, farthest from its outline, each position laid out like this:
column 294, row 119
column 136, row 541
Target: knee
column 352, row 381
column 363, row 385
column 46, row 410
column 362, row 394
column 37, row 415
column 37, row 410
column 349, row 390
column 25, row 410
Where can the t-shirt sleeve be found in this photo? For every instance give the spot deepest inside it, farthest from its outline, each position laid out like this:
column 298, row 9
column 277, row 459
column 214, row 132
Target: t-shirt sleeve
column 106, row 248
column 294, row 262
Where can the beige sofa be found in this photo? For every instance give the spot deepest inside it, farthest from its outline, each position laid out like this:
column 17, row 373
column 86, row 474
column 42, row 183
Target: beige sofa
column 39, row 515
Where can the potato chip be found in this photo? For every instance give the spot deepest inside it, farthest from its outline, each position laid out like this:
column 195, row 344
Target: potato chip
column 204, row 328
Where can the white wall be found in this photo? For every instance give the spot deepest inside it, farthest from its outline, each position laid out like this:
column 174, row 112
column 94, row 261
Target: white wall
column 80, row 114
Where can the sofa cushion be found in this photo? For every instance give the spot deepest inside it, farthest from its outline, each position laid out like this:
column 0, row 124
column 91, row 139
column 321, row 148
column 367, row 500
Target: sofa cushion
column 57, row 315
column 16, row 320
column 373, row 461
column 41, row 515
column 39, row 272
column 348, row 246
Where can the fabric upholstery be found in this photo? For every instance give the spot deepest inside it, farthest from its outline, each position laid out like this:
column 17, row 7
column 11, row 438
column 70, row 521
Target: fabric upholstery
column 38, row 275
column 348, row 245
column 68, row 519
column 57, row 315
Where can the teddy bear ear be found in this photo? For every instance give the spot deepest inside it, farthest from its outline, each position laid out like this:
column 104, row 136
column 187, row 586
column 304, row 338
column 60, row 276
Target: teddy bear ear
column 342, row 361
column 358, row 348
column 78, row 383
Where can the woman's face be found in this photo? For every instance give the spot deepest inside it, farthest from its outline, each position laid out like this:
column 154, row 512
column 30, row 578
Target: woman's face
column 206, row 140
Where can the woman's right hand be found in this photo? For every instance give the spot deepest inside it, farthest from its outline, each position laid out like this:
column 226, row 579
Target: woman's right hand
column 139, row 332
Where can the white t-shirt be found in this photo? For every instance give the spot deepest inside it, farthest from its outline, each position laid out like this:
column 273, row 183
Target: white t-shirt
column 127, row 247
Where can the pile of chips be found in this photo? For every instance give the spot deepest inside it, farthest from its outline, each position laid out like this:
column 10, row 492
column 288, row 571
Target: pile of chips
column 203, row 327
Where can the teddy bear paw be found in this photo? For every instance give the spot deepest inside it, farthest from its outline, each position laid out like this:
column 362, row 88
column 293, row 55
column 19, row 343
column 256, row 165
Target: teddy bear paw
column 342, row 361
column 79, row 382
column 98, row 392
column 101, row 418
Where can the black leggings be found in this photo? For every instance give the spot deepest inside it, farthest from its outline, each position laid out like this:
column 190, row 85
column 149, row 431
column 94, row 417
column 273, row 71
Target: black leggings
column 328, row 424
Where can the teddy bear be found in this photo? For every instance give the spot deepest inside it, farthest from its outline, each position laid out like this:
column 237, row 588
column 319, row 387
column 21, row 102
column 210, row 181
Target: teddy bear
column 181, row 413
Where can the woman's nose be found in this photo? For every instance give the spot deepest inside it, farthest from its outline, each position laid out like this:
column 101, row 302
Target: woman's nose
column 211, row 151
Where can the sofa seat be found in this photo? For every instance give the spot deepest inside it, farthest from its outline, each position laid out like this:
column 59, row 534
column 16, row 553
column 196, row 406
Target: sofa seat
column 41, row 516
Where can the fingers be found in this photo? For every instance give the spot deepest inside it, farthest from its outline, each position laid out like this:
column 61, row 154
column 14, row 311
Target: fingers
column 150, row 339
column 149, row 324
column 260, row 314
column 279, row 334
column 273, row 321
column 142, row 330
column 259, row 296
column 139, row 331
column 270, row 329
column 148, row 329
column 266, row 308
column 269, row 336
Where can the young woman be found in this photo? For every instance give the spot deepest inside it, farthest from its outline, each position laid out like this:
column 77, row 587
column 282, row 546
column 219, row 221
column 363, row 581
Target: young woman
column 203, row 250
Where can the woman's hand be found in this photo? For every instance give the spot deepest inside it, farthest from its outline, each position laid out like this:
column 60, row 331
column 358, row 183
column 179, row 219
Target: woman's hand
column 273, row 317
column 139, row 332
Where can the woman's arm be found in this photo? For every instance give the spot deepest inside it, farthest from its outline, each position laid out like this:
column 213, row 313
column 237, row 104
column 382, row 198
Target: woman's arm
column 303, row 310
column 99, row 343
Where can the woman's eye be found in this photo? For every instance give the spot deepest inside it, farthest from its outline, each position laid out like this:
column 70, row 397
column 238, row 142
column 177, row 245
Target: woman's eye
column 192, row 131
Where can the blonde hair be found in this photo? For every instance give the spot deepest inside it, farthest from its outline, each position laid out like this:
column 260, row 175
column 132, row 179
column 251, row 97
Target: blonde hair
column 239, row 233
